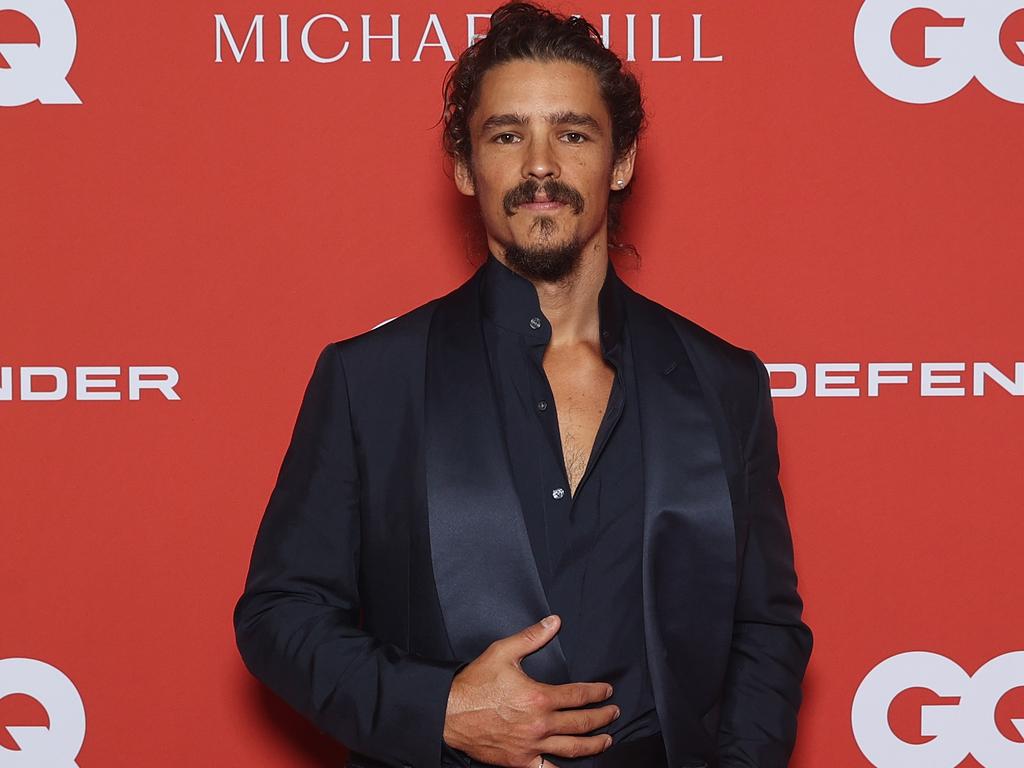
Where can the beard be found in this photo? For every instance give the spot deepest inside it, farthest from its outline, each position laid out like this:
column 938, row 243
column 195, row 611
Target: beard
column 548, row 262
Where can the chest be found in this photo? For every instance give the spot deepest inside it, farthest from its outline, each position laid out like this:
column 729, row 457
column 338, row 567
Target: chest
column 581, row 383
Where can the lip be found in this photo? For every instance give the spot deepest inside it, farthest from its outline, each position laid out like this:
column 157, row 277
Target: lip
column 548, row 205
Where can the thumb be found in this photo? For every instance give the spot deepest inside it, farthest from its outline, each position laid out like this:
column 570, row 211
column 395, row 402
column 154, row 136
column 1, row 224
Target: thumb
column 533, row 638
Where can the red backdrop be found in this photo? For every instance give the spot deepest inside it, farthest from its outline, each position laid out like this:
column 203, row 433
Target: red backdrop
column 228, row 219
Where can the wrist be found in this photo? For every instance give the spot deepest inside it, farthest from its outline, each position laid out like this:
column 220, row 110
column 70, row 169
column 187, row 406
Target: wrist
column 452, row 709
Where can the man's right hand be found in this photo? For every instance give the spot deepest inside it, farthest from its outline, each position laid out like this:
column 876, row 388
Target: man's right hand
column 497, row 714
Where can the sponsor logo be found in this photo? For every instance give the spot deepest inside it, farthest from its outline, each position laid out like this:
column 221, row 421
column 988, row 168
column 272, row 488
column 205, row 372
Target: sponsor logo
column 55, row 746
column 91, row 382
column 964, row 41
column 954, row 379
column 970, row 722
column 326, row 38
column 40, row 72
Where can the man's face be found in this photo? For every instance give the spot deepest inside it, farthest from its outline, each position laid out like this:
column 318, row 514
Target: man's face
column 542, row 164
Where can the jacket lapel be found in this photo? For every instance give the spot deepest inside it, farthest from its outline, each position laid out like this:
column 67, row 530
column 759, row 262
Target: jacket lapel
column 484, row 569
column 689, row 555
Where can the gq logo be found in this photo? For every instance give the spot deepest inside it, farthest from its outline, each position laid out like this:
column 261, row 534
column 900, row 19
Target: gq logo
column 964, row 52
column 54, row 747
column 40, row 72
column 957, row 729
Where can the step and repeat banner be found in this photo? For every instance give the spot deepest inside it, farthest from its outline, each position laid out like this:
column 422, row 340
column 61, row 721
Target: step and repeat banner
column 195, row 197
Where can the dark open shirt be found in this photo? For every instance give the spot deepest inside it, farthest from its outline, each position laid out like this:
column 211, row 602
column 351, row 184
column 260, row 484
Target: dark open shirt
column 588, row 544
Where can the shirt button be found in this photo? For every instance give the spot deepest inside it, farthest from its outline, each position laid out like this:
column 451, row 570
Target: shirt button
column 558, row 493
column 535, row 322
column 542, row 405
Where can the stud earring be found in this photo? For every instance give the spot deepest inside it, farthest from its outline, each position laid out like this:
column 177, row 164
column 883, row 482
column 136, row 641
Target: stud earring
column 620, row 182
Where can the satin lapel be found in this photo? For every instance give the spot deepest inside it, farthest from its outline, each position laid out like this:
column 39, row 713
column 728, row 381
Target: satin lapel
column 689, row 555
column 486, row 576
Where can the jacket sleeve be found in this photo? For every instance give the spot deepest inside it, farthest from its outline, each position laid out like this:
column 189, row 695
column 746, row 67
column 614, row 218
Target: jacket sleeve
column 770, row 644
column 296, row 623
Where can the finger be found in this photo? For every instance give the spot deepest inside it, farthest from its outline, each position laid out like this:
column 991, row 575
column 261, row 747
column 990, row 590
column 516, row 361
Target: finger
column 532, row 638
column 581, row 720
column 576, row 746
column 574, row 695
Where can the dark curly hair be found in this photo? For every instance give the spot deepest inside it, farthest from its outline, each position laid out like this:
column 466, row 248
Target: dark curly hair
column 526, row 31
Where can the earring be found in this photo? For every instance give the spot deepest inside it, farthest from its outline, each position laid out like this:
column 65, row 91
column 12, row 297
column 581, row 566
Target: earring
column 620, row 182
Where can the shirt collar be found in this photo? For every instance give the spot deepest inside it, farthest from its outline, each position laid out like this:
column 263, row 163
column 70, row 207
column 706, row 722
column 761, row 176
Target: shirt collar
column 511, row 301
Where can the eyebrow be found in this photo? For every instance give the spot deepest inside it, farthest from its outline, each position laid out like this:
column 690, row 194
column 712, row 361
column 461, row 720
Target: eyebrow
column 562, row 117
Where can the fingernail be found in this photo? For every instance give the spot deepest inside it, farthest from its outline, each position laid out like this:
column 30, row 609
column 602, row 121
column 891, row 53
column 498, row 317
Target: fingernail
column 617, row 713
column 548, row 621
column 608, row 692
column 608, row 742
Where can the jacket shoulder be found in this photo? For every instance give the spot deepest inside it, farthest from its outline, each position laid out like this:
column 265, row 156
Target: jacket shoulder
column 388, row 355
column 727, row 363
column 731, row 374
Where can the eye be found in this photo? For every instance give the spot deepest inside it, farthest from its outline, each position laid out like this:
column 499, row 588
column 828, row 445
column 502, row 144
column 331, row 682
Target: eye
column 575, row 138
column 499, row 138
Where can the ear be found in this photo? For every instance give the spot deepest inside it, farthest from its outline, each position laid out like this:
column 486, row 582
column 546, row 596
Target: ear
column 623, row 169
column 464, row 178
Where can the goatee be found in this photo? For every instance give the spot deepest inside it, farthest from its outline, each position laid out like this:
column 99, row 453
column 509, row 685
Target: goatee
column 549, row 263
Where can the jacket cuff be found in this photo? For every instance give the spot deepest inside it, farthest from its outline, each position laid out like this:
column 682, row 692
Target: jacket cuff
column 428, row 693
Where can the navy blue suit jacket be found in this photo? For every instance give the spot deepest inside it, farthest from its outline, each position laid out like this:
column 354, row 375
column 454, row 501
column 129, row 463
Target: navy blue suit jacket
column 393, row 548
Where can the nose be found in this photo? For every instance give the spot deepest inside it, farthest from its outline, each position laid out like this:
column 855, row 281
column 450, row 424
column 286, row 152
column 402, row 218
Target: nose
column 539, row 161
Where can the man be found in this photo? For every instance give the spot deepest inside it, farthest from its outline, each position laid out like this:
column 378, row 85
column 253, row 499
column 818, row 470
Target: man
column 536, row 521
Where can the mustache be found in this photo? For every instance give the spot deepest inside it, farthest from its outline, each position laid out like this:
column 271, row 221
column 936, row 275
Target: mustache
column 554, row 189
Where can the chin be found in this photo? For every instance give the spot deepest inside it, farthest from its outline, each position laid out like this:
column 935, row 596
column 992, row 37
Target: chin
column 545, row 259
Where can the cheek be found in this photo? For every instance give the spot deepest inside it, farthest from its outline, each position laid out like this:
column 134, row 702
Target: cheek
column 491, row 193
column 487, row 182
